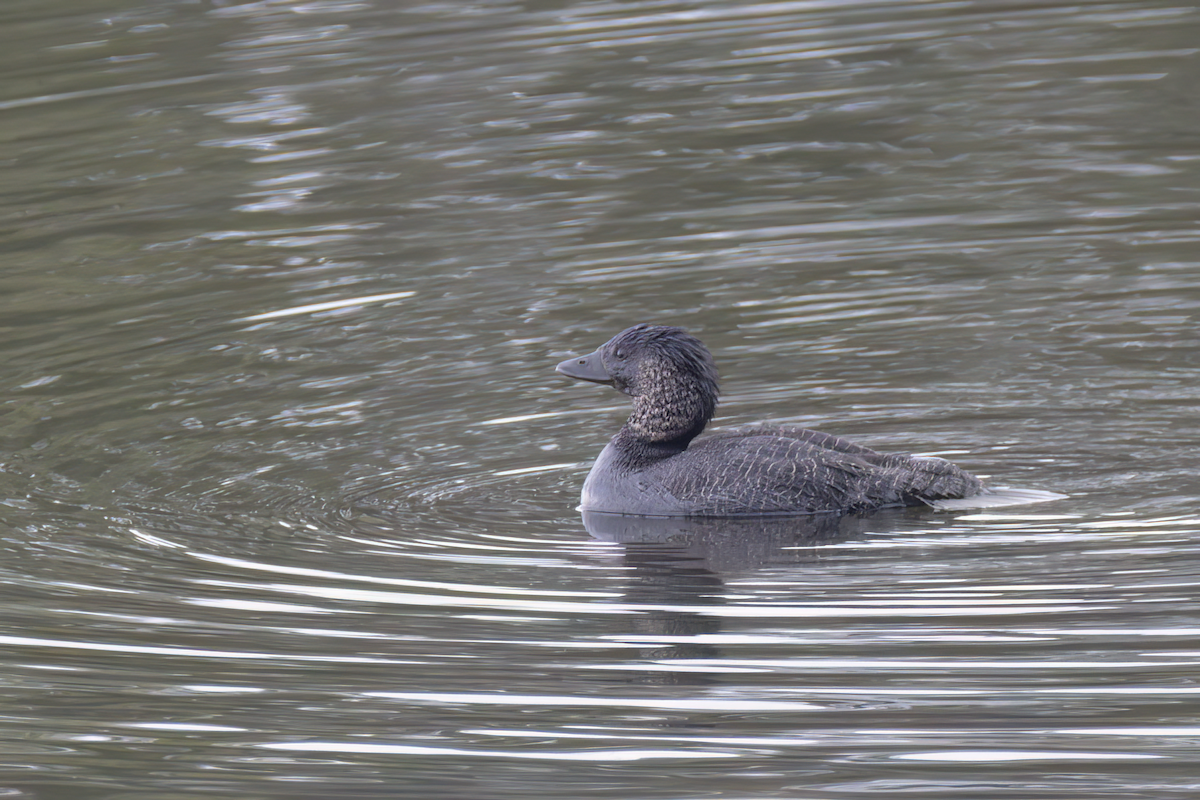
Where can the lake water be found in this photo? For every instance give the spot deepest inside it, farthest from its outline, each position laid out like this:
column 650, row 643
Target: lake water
column 288, row 482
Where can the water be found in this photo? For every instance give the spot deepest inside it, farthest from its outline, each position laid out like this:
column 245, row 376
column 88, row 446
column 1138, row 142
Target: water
column 259, row 547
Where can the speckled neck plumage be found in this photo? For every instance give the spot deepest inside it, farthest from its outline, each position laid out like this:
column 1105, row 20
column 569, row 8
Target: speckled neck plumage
column 672, row 408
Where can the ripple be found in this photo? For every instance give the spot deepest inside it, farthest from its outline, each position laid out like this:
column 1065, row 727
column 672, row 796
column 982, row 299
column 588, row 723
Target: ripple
column 994, row 756
column 606, row 755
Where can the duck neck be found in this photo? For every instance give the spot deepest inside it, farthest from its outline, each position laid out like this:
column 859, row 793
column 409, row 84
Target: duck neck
column 667, row 416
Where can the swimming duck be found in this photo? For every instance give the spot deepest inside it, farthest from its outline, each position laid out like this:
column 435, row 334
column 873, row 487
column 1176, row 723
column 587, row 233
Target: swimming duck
column 652, row 467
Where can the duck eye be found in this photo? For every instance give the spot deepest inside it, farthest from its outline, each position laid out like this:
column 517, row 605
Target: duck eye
column 621, row 354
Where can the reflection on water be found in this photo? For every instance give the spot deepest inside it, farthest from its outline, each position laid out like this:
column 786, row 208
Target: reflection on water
column 732, row 543
column 675, row 570
column 287, row 482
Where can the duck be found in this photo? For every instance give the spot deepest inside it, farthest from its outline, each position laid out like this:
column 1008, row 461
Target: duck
column 656, row 467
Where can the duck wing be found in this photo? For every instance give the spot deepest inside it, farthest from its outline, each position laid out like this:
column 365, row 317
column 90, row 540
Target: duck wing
column 795, row 470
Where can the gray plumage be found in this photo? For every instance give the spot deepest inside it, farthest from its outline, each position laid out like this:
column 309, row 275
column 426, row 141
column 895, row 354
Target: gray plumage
column 652, row 466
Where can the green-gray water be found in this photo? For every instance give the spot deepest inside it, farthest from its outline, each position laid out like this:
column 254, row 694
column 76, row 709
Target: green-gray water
column 254, row 549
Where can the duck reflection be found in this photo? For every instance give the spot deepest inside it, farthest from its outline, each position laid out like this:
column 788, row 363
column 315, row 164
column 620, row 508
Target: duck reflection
column 681, row 562
column 725, row 544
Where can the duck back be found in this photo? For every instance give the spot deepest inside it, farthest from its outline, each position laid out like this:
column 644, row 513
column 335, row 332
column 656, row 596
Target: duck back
column 769, row 470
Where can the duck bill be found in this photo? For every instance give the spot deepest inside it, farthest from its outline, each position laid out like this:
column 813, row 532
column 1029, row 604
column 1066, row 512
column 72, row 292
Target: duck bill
column 587, row 368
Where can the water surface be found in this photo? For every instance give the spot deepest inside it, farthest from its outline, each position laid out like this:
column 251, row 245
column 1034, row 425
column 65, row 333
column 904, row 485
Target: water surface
column 288, row 483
